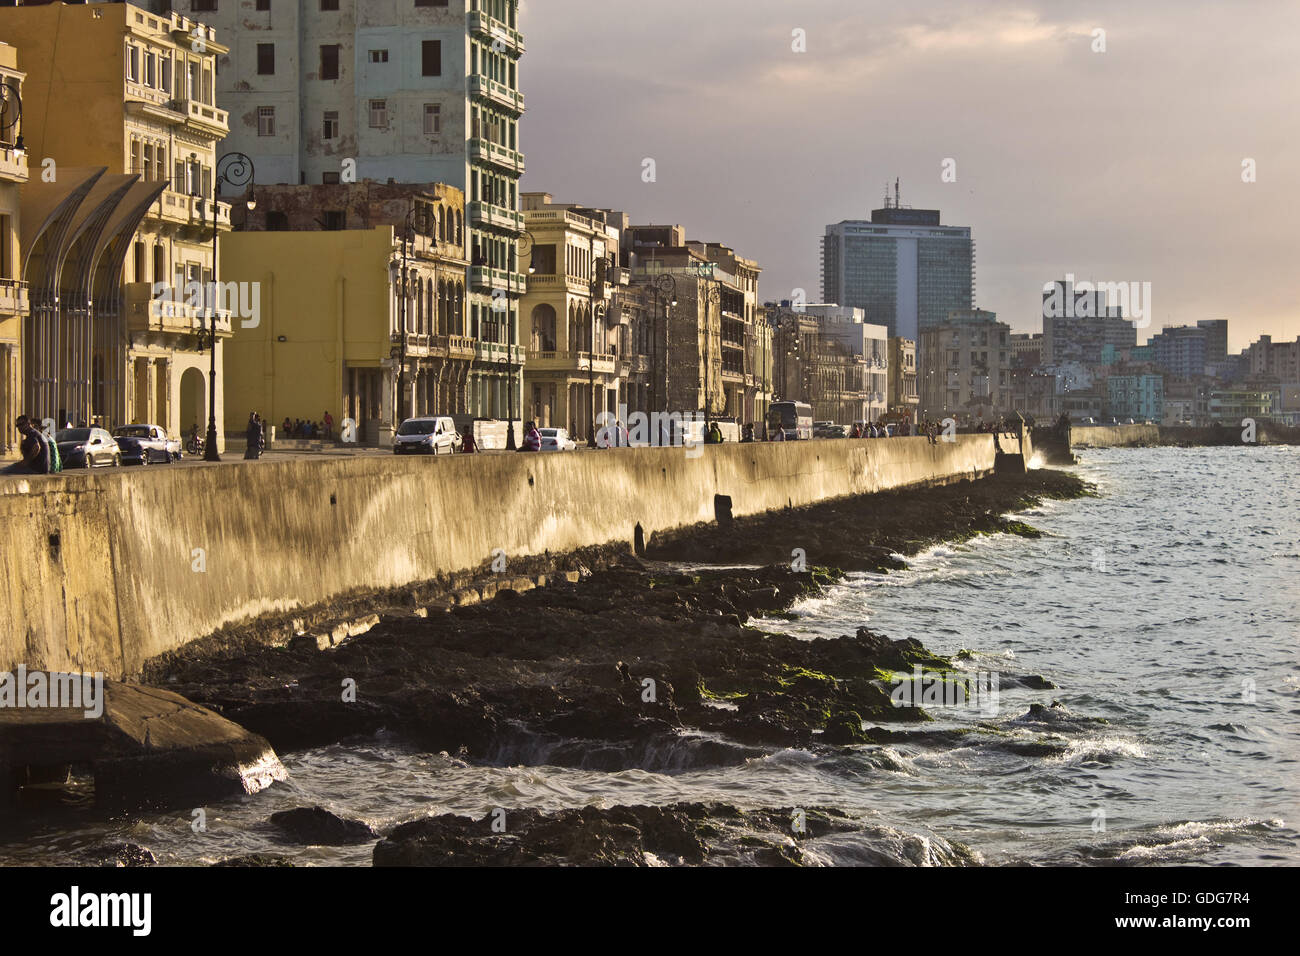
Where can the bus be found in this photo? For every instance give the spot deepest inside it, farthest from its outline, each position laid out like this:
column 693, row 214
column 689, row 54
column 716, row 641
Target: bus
column 793, row 419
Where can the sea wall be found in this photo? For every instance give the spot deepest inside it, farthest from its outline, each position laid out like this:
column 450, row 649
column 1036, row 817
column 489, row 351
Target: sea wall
column 99, row 572
column 1113, row 436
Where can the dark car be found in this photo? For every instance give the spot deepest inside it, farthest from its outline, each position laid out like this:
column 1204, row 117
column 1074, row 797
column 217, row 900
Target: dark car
column 87, row 448
column 146, row 444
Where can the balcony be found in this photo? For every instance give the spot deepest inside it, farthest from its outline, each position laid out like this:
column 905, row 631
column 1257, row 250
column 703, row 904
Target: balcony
column 452, row 346
column 145, row 313
column 602, row 364
column 538, row 283
column 13, row 164
column 512, row 101
column 13, row 297
column 495, row 217
column 485, row 277
column 201, row 212
column 494, row 31
column 494, row 154
column 202, row 118
column 148, row 103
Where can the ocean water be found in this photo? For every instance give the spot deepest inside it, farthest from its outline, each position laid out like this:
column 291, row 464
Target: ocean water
column 1167, row 611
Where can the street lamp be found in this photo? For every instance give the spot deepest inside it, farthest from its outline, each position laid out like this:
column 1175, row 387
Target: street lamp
column 11, row 115
column 523, row 247
column 237, row 170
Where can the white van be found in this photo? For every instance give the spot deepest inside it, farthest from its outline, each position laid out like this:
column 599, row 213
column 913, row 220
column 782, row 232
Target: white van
column 426, row 436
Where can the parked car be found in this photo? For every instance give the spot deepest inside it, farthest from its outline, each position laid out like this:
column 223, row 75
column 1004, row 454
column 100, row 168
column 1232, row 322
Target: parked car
column 146, row 445
column 426, row 436
column 1090, row 421
column 87, row 448
column 556, row 439
column 828, row 430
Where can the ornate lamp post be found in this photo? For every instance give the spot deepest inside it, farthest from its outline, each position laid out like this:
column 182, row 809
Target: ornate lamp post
column 237, row 170
column 11, row 113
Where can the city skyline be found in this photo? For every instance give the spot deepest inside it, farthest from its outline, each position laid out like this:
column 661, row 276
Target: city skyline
column 1122, row 165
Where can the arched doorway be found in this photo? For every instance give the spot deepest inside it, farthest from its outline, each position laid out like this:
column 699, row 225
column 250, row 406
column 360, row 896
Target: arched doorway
column 194, row 406
column 543, row 328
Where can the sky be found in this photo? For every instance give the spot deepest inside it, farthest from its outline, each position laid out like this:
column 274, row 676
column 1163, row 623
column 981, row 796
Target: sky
column 1115, row 165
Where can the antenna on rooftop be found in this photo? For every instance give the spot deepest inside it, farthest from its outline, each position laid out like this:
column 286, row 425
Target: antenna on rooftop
column 897, row 202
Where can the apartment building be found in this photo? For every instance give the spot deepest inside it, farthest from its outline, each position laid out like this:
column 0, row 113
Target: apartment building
column 408, row 91
column 119, row 108
column 966, row 367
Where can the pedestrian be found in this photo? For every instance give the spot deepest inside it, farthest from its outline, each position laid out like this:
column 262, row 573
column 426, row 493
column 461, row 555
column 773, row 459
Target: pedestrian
column 748, row 434
column 532, row 438
column 329, row 426
column 252, row 438
column 32, row 447
column 468, row 445
column 286, row 430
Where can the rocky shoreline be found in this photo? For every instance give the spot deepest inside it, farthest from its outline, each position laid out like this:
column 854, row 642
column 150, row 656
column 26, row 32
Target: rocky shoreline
column 644, row 663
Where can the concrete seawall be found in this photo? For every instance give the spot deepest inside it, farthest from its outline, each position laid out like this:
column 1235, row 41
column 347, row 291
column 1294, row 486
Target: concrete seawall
column 1113, row 436
column 102, row 571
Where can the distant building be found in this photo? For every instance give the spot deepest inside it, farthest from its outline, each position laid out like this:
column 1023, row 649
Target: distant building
column 1027, row 349
column 1231, row 406
column 869, row 342
column 1140, row 397
column 1278, row 361
column 903, row 267
column 1216, row 339
column 1079, row 323
column 1181, row 350
column 965, row 367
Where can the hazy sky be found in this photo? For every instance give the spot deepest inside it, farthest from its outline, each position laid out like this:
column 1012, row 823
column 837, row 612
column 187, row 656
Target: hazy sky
column 1123, row 165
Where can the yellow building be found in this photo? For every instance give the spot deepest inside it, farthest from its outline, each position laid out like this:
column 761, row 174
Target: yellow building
column 120, row 98
column 13, row 291
column 330, row 336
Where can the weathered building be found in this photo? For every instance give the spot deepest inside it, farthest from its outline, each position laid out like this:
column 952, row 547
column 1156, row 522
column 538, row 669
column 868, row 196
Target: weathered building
column 363, row 311
column 965, row 367
column 410, row 92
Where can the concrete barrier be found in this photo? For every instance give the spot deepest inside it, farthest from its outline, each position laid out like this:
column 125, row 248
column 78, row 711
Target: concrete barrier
column 1113, row 436
column 102, row 571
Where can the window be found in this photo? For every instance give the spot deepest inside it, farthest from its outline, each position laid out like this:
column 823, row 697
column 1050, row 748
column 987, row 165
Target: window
column 203, row 6
column 334, row 220
column 430, row 3
column 329, row 179
column 330, row 128
column 150, row 69
column 379, row 114
column 431, row 57
column 266, row 59
column 432, row 118
column 264, row 4
column 329, row 4
column 165, row 79
column 378, row 56
column 266, row 121
column 329, row 61
column 132, row 63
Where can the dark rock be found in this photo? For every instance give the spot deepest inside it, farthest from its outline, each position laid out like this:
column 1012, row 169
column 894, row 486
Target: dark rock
column 121, row 854
column 318, row 827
